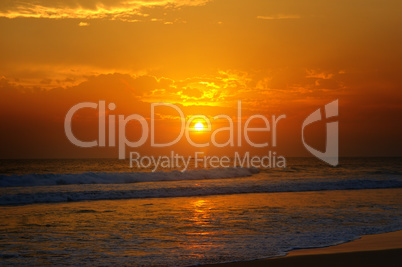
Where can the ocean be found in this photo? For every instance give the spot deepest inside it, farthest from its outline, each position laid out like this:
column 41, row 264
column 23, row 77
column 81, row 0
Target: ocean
column 101, row 212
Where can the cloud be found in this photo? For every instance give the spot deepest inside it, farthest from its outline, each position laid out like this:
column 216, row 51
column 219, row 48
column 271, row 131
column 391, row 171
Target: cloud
column 279, row 16
column 32, row 117
column 83, row 24
column 318, row 74
column 193, row 93
column 88, row 9
column 31, row 75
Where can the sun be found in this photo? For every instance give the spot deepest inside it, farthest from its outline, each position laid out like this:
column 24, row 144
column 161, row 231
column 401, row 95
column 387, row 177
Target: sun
column 199, row 126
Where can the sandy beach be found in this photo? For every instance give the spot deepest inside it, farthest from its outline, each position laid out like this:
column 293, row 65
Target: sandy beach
column 370, row 250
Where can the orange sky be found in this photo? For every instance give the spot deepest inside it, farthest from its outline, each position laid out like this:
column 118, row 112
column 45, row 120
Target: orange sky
column 277, row 57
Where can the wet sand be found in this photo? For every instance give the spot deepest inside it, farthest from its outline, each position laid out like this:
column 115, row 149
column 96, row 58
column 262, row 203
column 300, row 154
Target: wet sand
column 371, row 250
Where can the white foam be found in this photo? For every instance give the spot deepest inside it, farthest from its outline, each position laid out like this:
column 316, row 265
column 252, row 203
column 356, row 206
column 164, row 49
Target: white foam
column 122, row 178
column 205, row 185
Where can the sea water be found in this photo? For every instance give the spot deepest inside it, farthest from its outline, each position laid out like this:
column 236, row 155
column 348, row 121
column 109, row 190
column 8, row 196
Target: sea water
column 100, row 212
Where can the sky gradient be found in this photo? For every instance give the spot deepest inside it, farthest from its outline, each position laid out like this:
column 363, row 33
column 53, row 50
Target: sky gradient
column 277, row 57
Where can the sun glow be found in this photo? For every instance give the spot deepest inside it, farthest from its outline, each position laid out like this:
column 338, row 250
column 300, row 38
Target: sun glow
column 199, row 126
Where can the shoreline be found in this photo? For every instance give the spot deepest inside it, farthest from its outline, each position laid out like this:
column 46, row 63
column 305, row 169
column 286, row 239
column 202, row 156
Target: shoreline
column 369, row 250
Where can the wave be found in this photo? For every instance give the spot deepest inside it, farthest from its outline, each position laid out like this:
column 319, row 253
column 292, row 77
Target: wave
column 122, row 178
column 52, row 194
